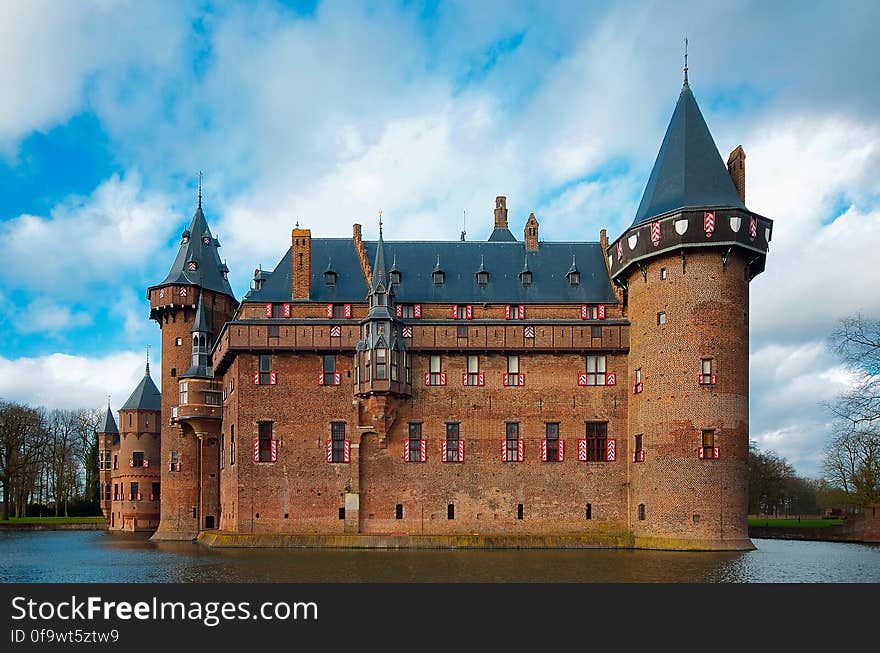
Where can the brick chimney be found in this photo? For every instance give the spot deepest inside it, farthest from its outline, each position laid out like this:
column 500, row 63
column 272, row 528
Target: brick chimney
column 530, row 233
column 501, row 212
column 301, row 272
column 736, row 166
column 362, row 253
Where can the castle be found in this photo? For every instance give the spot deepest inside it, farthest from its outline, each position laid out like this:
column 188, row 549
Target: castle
column 429, row 394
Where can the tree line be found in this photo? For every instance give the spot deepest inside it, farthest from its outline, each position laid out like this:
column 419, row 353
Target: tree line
column 48, row 461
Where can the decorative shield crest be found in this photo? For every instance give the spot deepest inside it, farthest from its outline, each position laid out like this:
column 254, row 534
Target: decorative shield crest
column 735, row 223
column 767, row 234
column 681, row 226
column 632, row 240
column 619, row 250
column 655, row 233
column 709, row 223
column 610, row 261
column 753, row 228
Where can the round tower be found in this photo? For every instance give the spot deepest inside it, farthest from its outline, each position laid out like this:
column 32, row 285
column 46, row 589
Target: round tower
column 684, row 266
column 197, row 275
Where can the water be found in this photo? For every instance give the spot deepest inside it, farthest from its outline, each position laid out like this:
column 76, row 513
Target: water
column 96, row 556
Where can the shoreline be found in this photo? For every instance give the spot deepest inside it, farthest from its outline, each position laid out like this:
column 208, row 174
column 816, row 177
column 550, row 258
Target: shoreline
column 50, row 526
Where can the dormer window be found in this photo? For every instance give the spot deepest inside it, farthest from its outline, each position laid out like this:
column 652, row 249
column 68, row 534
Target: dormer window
column 574, row 278
column 482, row 278
column 394, row 276
column 438, row 277
column 330, row 278
column 525, row 278
column 184, row 238
column 192, row 266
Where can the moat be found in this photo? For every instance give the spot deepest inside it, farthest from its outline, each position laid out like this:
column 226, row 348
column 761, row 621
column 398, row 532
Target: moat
column 95, row 556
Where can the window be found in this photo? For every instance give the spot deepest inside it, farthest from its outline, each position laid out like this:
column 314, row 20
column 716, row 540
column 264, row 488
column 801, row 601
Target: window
column 414, row 448
column 515, row 312
column 512, row 444
column 274, row 331
column 519, row 511
column 664, row 274
column 482, row 278
column 641, row 512
column 173, row 372
column 329, row 370
column 174, row 465
column 178, row 342
column 595, row 370
column 154, row 492
column 394, row 276
column 232, row 385
column 404, row 310
column 637, row 388
column 574, row 278
column 708, row 443
column 473, row 371
column 461, row 312
column 407, row 369
column 134, row 494
column 661, row 317
column 435, row 370
column 341, row 311
column 513, row 376
column 398, row 511
column 184, row 395
column 329, row 277
column 597, row 441
column 395, row 362
column 639, row 375
column 638, row 442
column 595, row 332
column 589, row 511
column 461, row 331
column 278, row 311
column 342, row 513
column 553, row 453
column 137, row 459
column 706, row 376
column 452, row 438
column 232, row 444
column 337, row 439
column 115, row 461
column 450, row 511
column 105, row 460
column 368, row 365
column 116, row 491
column 592, row 313
column 222, row 450
column 264, row 434
column 438, row 277
column 525, row 277
column 265, row 369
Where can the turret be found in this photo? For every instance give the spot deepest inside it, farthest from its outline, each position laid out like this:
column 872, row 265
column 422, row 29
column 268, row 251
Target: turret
column 108, row 446
column 684, row 268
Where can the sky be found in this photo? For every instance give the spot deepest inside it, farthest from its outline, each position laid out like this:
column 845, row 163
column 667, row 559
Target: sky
column 326, row 112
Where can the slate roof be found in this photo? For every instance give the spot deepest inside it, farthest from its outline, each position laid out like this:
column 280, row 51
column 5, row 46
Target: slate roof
column 109, row 423
column 146, row 395
column 200, row 323
column 459, row 260
column 689, row 171
column 501, row 234
column 209, row 270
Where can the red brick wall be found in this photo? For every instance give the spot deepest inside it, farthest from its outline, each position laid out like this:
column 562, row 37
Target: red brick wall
column 138, row 431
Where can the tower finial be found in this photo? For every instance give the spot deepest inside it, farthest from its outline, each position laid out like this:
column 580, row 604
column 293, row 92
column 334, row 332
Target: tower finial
column 685, row 61
column 464, row 225
column 200, row 189
column 147, row 369
column 108, row 402
column 380, row 223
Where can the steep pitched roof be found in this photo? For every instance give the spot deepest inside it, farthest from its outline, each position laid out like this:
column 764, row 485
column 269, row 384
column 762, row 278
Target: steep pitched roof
column 501, row 235
column 689, row 171
column 146, row 395
column 201, row 323
column 109, row 423
column 459, row 260
column 199, row 246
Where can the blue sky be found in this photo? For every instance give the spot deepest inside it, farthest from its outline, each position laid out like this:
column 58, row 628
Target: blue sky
column 326, row 112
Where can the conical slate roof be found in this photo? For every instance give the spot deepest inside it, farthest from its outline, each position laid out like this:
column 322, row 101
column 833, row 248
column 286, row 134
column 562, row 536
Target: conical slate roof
column 146, row 395
column 380, row 272
column 109, row 423
column 200, row 248
column 501, row 235
column 200, row 323
column 689, row 171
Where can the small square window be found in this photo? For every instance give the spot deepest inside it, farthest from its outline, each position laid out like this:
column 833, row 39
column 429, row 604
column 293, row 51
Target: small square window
column 178, row 342
column 664, row 274
column 661, row 317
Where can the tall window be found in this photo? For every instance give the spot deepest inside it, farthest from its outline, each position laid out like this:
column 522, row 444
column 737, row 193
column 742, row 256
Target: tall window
column 406, row 310
column 664, row 274
column 461, row 312
column 641, row 512
column 552, row 430
column 134, row 495
column 452, row 436
column 395, row 361
column 116, row 491
column 595, row 370
column 115, row 461
column 232, row 444
column 407, row 369
column 105, row 459
column 222, row 450
column 661, row 317
column 415, row 442
column 473, row 370
column 706, row 370
column 513, row 375
column 174, row 464
column 708, row 442
column 511, row 446
column 329, row 370
column 183, row 393
column 264, row 430
column 368, row 365
column 638, row 442
column 339, row 311
column 381, row 364
column 154, row 492
column 592, row 312
column 265, row 369
column 137, row 459
column 435, row 370
column 597, row 439
column 337, row 437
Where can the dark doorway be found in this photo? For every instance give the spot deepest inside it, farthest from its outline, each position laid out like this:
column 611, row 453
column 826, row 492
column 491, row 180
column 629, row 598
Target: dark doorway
column 209, row 521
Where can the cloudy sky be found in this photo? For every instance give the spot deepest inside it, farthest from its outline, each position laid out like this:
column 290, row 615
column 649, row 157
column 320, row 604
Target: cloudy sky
column 326, row 112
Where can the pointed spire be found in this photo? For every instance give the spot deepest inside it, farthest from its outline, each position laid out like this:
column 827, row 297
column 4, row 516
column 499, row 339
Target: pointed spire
column 201, row 323
column 109, row 422
column 685, row 61
column 147, row 368
column 380, row 272
column 146, row 395
column 437, row 267
column 525, row 267
column 200, row 190
column 574, row 267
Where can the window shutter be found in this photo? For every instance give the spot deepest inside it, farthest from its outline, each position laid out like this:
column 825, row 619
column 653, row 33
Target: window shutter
column 461, row 451
column 256, row 450
column 600, row 311
column 257, row 377
column 455, row 311
column 700, row 453
column 417, row 310
column 582, row 378
column 273, row 378
column 506, row 379
column 716, row 453
column 464, row 378
column 561, row 456
column 442, row 378
column 522, row 378
column 544, row 450
column 273, row 451
column 268, row 310
column 520, row 450
column 346, row 310
column 611, row 378
column 611, row 450
column 346, row 451
column 130, row 462
column 507, row 312
column 423, row 454
column 398, row 310
column 443, row 450
column 521, row 312
column 712, row 379
column 147, row 462
column 504, row 450
column 337, row 378
column 406, row 451
column 328, row 451
column 286, row 311
column 481, row 378
column 427, row 378
column 320, row 378
column 583, row 311
column 329, row 310
column 468, row 312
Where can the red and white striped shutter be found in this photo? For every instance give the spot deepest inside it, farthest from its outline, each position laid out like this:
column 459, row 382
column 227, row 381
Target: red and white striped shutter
column 346, row 310
column 520, row 450
column 424, row 452
column 611, row 450
column 346, row 451
column 427, row 378
column 257, row 378
column 468, row 312
column 273, row 378
column 417, row 310
column 582, row 378
column 642, row 456
column 716, row 452
column 507, row 312
column 600, row 311
column 337, row 378
column 273, row 451
column 398, row 310
column 506, row 379
column 584, row 311
column 503, row 450
column 481, row 378
column 268, row 310
column 611, row 378
column 320, row 378
column 256, row 450
column 561, row 456
column 147, row 462
column 442, row 378
column 464, row 378
column 461, row 451
column 329, row 310
column 712, row 379
column 521, row 312
column 328, row 451
column 443, row 450
column 406, row 451
column 286, row 310
column 130, row 462
column 700, row 454
column 455, row 311
column 544, row 450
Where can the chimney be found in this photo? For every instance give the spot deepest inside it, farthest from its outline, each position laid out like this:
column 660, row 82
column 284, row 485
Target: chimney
column 301, row 272
column 501, row 212
column 736, row 166
column 362, row 253
column 530, row 233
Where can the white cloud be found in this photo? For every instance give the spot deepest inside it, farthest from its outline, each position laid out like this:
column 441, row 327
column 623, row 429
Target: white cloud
column 43, row 315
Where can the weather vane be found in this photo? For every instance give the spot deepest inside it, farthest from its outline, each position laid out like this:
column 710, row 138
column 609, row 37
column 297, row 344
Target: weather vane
column 685, row 61
column 200, row 189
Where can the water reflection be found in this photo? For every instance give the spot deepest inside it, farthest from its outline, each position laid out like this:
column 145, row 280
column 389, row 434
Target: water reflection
column 94, row 556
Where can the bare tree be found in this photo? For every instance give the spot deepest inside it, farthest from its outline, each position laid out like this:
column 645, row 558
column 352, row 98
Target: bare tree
column 23, row 439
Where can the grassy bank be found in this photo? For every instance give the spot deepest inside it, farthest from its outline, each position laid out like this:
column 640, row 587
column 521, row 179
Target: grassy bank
column 792, row 522
column 53, row 520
